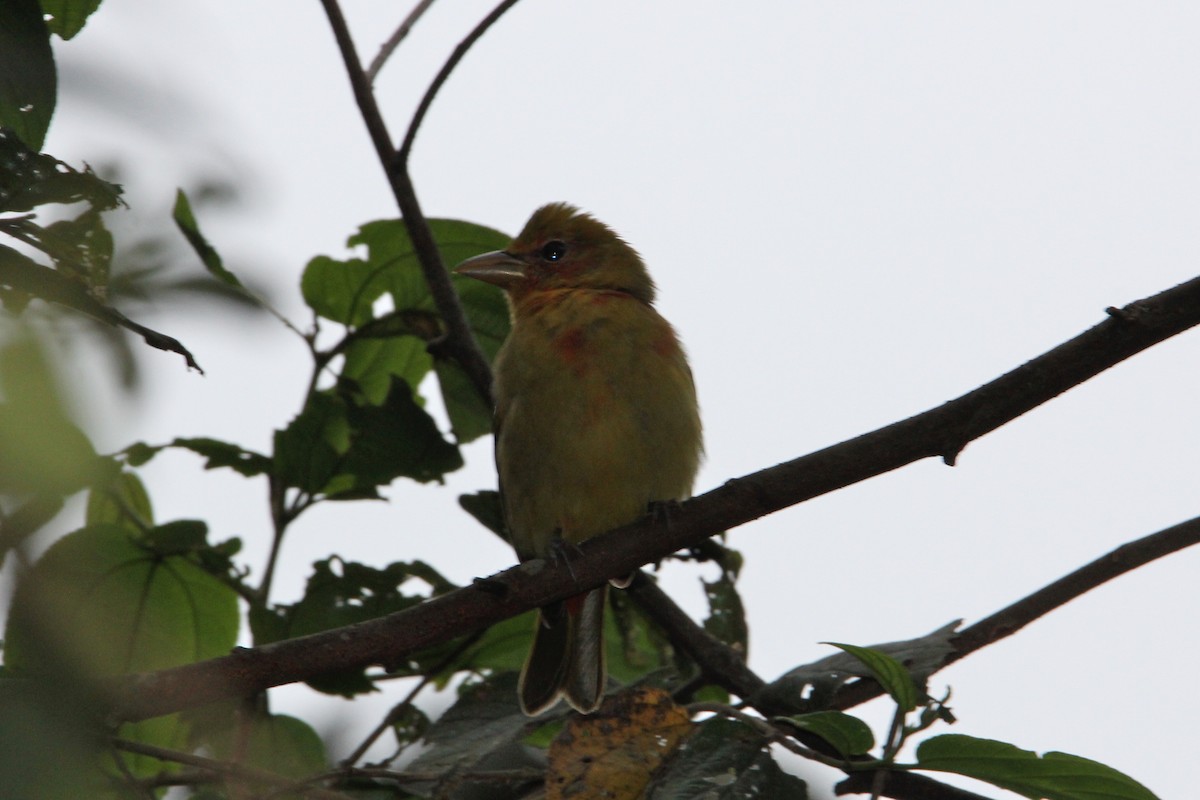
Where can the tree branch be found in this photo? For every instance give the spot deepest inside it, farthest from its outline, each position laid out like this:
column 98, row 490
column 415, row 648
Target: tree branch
column 1013, row 618
column 941, row 431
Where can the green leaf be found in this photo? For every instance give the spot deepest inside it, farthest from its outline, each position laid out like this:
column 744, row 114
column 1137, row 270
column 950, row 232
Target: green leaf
column 342, row 593
column 470, row 416
column 112, row 606
column 220, row 454
column 121, row 501
column 847, row 734
column 28, row 79
column 277, row 743
column 342, row 291
column 727, row 616
column 724, row 760
column 307, row 450
column 186, row 221
column 484, row 727
column 41, row 450
column 397, row 439
column 373, row 363
column 1054, row 776
column 29, row 179
column 67, row 17
column 889, row 672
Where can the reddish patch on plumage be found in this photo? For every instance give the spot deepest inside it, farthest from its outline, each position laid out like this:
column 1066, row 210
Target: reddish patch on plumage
column 666, row 344
column 571, row 346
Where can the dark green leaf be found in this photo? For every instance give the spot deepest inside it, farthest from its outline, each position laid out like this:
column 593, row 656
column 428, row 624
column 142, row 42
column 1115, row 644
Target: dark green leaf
column 1054, row 776
column 67, row 17
column 219, row 454
column 849, row 735
column 29, row 179
column 28, row 79
column 343, row 593
column 118, row 607
column 724, row 760
column 186, row 221
column 485, row 727
column 177, row 538
column 470, row 416
column 727, row 616
column 373, row 363
column 26, row 519
column 307, row 450
column 396, row 439
column 889, row 672
column 486, row 508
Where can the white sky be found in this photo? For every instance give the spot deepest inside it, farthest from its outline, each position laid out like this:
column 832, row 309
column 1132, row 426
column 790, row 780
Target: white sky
column 854, row 212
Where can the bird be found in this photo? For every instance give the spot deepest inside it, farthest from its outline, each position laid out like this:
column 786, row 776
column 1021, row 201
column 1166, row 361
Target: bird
column 596, row 422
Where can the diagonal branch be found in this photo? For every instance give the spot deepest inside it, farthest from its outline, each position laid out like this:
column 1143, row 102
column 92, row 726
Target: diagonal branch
column 459, row 343
column 1009, row 620
column 942, row 431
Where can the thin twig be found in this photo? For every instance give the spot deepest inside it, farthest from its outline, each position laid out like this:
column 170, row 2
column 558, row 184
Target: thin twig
column 460, row 341
column 1016, row 616
column 396, row 38
column 238, row 771
column 720, row 663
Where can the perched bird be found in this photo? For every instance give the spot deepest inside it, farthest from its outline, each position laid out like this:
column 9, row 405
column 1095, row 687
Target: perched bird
column 596, row 420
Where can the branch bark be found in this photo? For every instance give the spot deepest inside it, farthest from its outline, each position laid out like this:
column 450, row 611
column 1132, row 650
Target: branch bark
column 942, row 431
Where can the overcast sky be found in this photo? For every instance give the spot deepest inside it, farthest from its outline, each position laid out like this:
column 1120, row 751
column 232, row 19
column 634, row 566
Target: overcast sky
column 854, row 211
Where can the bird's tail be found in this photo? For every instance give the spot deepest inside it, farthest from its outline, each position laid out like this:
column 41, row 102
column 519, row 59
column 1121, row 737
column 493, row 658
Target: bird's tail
column 567, row 657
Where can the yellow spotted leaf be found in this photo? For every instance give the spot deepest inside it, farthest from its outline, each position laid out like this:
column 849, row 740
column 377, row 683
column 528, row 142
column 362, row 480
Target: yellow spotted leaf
column 613, row 753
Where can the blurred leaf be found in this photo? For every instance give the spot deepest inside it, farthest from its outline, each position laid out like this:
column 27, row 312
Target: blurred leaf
column 1054, row 776
column 121, row 501
column 26, row 519
column 280, row 744
column 617, row 749
column 67, row 17
column 178, row 537
column 111, row 606
column 41, row 450
column 724, row 760
column 186, row 221
column 28, row 80
column 848, row 735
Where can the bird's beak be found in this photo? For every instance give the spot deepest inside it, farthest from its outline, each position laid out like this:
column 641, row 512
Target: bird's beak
column 498, row 267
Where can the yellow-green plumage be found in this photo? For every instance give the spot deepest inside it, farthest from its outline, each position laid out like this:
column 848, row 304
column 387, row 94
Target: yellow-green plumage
column 596, row 419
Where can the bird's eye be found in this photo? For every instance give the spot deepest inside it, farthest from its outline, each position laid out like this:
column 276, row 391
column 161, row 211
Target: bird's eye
column 554, row 250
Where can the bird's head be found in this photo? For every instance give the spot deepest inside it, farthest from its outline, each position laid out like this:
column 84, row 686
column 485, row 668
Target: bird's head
column 563, row 248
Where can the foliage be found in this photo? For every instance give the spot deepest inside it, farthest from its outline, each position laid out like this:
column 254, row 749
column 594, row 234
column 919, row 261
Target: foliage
column 126, row 592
